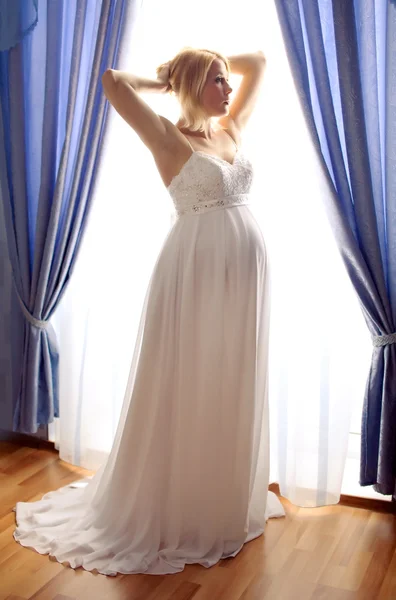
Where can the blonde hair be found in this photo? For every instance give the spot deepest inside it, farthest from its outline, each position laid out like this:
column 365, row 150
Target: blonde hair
column 188, row 72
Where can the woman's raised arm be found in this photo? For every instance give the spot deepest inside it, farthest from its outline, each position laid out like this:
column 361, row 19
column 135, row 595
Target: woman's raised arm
column 122, row 90
column 251, row 67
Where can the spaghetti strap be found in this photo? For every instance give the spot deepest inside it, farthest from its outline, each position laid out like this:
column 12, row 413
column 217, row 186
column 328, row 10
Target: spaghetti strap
column 188, row 142
column 230, row 136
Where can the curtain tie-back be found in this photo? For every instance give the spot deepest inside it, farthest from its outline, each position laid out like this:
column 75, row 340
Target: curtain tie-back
column 384, row 340
column 29, row 317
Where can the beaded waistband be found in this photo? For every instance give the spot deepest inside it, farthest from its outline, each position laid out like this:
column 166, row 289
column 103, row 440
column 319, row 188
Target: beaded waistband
column 216, row 204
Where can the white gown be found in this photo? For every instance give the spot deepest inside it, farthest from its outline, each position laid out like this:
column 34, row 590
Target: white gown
column 187, row 478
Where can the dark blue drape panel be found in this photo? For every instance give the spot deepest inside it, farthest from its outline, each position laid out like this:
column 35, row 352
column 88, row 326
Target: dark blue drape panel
column 17, row 19
column 343, row 58
column 52, row 119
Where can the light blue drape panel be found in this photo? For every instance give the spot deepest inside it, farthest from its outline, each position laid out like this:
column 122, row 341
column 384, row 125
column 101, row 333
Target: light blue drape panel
column 343, row 58
column 52, row 119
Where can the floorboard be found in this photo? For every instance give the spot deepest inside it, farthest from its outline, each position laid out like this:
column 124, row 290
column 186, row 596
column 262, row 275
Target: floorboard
column 339, row 552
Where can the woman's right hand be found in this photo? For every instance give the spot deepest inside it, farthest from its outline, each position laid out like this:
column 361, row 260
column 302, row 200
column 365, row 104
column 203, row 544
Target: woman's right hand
column 163, row 76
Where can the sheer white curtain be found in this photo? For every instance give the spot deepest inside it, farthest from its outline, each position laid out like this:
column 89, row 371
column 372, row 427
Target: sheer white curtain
column 320, row 347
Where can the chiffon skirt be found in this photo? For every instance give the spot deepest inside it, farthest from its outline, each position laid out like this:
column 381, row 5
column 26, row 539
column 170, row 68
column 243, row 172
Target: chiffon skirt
column 187, row 477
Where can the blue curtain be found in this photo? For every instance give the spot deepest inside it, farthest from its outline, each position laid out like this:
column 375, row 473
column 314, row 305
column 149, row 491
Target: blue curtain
column 52, row 119
column 343, row 58
column 17, row 19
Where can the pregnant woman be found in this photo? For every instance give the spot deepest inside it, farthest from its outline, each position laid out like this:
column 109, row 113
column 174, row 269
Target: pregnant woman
column 187, row 477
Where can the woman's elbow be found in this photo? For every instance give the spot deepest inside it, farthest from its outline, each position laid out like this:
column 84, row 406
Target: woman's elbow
column 108, row 82
column 261, row 58
column 108, row 77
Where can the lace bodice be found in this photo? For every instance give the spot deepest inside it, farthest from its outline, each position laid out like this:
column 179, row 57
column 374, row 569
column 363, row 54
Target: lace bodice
column 208, row 182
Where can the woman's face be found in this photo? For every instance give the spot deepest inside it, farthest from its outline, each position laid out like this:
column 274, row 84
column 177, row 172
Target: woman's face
column 215, row 95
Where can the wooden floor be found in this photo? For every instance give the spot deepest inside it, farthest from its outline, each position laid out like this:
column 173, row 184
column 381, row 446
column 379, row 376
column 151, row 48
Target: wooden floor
column 337, row 552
